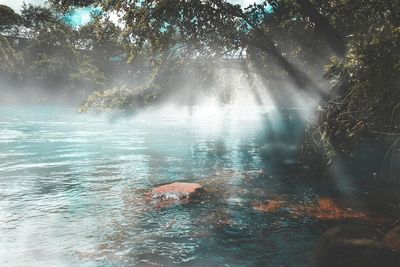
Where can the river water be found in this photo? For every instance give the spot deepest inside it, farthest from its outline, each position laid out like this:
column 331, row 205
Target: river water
column 73, row 186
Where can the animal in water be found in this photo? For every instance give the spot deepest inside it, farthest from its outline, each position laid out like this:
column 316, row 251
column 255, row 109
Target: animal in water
column 353, row 246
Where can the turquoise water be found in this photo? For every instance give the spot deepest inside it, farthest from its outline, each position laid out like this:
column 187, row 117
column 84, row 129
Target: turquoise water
column 72, row 188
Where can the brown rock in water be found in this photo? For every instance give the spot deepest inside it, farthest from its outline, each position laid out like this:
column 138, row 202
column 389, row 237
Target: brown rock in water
column 392, row 239
column 175, row 191
column 269, row 206
column 352, row 246
column 329, row 210
column 325, row 209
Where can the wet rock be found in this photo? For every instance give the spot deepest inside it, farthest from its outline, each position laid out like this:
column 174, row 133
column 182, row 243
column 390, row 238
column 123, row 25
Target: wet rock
column 392, row 239
column 352, row 246
column 175, row 192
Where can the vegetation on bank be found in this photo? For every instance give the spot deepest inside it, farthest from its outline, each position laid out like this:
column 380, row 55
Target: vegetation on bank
column 159, row 47
column 361, row 117
column 38, row 49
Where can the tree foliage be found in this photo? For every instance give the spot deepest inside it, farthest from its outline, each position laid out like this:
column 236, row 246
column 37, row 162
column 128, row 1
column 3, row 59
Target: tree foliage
column 366, row 86
column 45, row 51
column 9, row 18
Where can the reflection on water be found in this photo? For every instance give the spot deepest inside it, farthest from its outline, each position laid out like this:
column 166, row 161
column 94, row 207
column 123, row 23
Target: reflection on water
column 72, row 189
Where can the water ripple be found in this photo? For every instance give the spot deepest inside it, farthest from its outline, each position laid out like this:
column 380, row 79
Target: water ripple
column 73, row 187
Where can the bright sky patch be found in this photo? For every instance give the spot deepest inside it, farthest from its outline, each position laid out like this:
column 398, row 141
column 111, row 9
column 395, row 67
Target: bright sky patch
column 80, row 16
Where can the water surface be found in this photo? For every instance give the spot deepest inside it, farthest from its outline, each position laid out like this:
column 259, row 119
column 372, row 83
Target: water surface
column 72, row 188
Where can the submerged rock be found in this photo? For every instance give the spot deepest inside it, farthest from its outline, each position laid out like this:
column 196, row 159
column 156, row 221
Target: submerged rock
column 175, row 192
column 392, row 239
column 325, row 209
column 353, row 246
column 328, row 210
